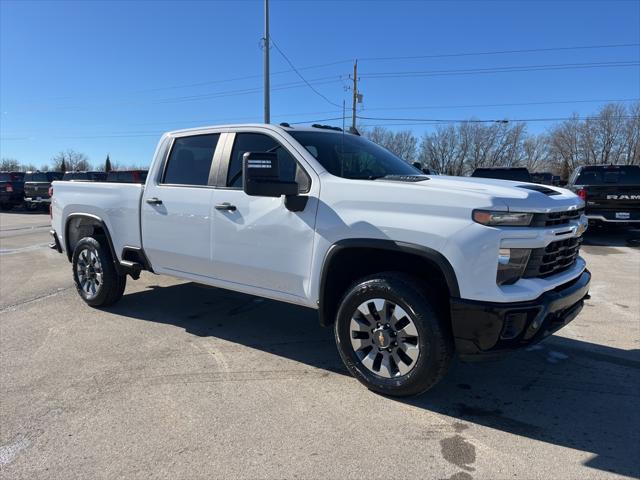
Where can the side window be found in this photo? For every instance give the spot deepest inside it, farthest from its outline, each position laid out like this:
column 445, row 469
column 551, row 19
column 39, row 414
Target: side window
column 258, row 142
column 190, row 160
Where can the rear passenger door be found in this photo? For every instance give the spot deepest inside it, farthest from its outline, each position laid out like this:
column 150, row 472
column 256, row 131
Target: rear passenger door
column 177, row 205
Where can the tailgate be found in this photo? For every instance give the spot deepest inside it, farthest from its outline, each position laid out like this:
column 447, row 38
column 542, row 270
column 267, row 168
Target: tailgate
column 36, row 189
column 614, row 197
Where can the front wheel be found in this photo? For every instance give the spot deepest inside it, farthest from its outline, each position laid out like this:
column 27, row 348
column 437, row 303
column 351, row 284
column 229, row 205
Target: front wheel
column 94, row 274
column 392, row 336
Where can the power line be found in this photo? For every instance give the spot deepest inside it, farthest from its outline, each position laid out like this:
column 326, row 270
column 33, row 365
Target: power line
column 300, row 75
column 235, row 79
column 371, row 59
column 427, row 121
column 500, row 52
column 315, row 121
column 244, row 91
column 210, row 95
column 480, row 105
column 506, row 69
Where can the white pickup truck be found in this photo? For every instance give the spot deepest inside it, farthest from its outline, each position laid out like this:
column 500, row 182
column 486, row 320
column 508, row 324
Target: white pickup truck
column 410, row 269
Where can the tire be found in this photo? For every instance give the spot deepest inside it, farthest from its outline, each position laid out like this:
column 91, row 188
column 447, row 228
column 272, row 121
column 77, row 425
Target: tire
column 94, row 274
column 416, row 325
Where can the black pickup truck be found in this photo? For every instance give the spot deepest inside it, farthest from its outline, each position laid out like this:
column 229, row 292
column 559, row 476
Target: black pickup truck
column 36, row 188
column 611, row 192
column 11, row 189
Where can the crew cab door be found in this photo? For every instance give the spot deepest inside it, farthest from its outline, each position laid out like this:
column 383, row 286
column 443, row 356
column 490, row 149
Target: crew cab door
column 258, row 241
column 177, row 206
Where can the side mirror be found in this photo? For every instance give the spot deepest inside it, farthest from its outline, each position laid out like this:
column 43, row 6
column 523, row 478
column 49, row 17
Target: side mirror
column 260, row 176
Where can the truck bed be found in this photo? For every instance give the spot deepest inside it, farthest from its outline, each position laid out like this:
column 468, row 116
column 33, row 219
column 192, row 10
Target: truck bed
column 116, row 204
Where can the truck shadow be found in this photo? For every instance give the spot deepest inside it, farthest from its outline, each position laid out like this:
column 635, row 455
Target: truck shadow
column 564, row 392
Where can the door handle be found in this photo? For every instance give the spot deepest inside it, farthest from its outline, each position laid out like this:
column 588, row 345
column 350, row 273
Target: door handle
column 154, row 201
column 226, row 206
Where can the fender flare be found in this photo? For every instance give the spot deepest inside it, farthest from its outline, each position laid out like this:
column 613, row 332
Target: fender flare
column 427, row 253
column 100, row 222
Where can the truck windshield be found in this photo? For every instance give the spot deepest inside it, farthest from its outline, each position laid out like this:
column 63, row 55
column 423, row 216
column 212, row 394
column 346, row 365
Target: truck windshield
column 612, row 174
column 349, row 156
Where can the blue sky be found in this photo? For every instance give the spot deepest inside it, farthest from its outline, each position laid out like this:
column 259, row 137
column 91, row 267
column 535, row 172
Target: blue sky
column 110, row 77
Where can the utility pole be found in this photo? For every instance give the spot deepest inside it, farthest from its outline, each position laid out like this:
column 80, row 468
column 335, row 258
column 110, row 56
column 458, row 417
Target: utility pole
column 355, row 95
column 267, row 100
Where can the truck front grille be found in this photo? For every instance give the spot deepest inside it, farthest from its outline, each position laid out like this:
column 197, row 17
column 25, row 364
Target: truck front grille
column 553, row 219
column 554, row 258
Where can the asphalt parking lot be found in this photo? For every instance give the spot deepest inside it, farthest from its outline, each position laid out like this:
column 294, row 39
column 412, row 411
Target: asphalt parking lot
column 183, row 381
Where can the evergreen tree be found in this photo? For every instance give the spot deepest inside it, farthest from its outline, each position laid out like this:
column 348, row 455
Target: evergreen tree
column 107, row 164
column 63, row 166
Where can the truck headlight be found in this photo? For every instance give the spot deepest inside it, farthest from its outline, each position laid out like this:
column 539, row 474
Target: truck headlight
column 511, row 264
column 502, row 219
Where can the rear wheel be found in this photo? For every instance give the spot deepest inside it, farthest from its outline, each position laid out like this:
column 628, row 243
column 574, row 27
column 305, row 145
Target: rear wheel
column 94, row 274
column 391, row 336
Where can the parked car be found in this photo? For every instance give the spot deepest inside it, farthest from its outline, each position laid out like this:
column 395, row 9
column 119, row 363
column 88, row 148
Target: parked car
column 543, row 178
column 611, row 193
column 11, row 189
column 409, row 269
column 516, row 174
column 85, row 176
column 36, row 188
column 127, row 176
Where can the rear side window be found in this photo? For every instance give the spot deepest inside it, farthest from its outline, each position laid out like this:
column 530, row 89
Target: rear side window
column 135, row 176
column 190, row 160
column 36, row 177
column 612, row 175
column 290, row 171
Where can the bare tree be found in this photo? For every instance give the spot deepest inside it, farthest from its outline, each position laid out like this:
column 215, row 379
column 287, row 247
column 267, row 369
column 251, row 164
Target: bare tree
column 440, row 150
column 71, row 160
column 379, row 135
column 9, row 165
column 631, row 144
column 610, row 136
column 404, row 144
column 535, row 153
column 565, row 143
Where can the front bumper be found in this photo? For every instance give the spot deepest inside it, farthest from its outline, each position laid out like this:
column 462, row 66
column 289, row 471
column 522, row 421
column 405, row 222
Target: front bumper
column 482, row 329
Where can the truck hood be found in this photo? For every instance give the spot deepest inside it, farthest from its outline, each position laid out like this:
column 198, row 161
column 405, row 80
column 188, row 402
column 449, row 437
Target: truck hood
column 512, row 196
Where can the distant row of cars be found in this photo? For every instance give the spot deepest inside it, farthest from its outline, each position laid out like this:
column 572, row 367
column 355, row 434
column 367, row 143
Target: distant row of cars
column 31, row 189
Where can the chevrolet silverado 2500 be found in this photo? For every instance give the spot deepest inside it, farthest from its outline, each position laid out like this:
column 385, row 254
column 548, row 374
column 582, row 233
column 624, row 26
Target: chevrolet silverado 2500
column 409, row 269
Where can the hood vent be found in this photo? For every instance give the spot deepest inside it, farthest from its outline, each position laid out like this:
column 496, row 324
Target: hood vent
column 541, row 189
